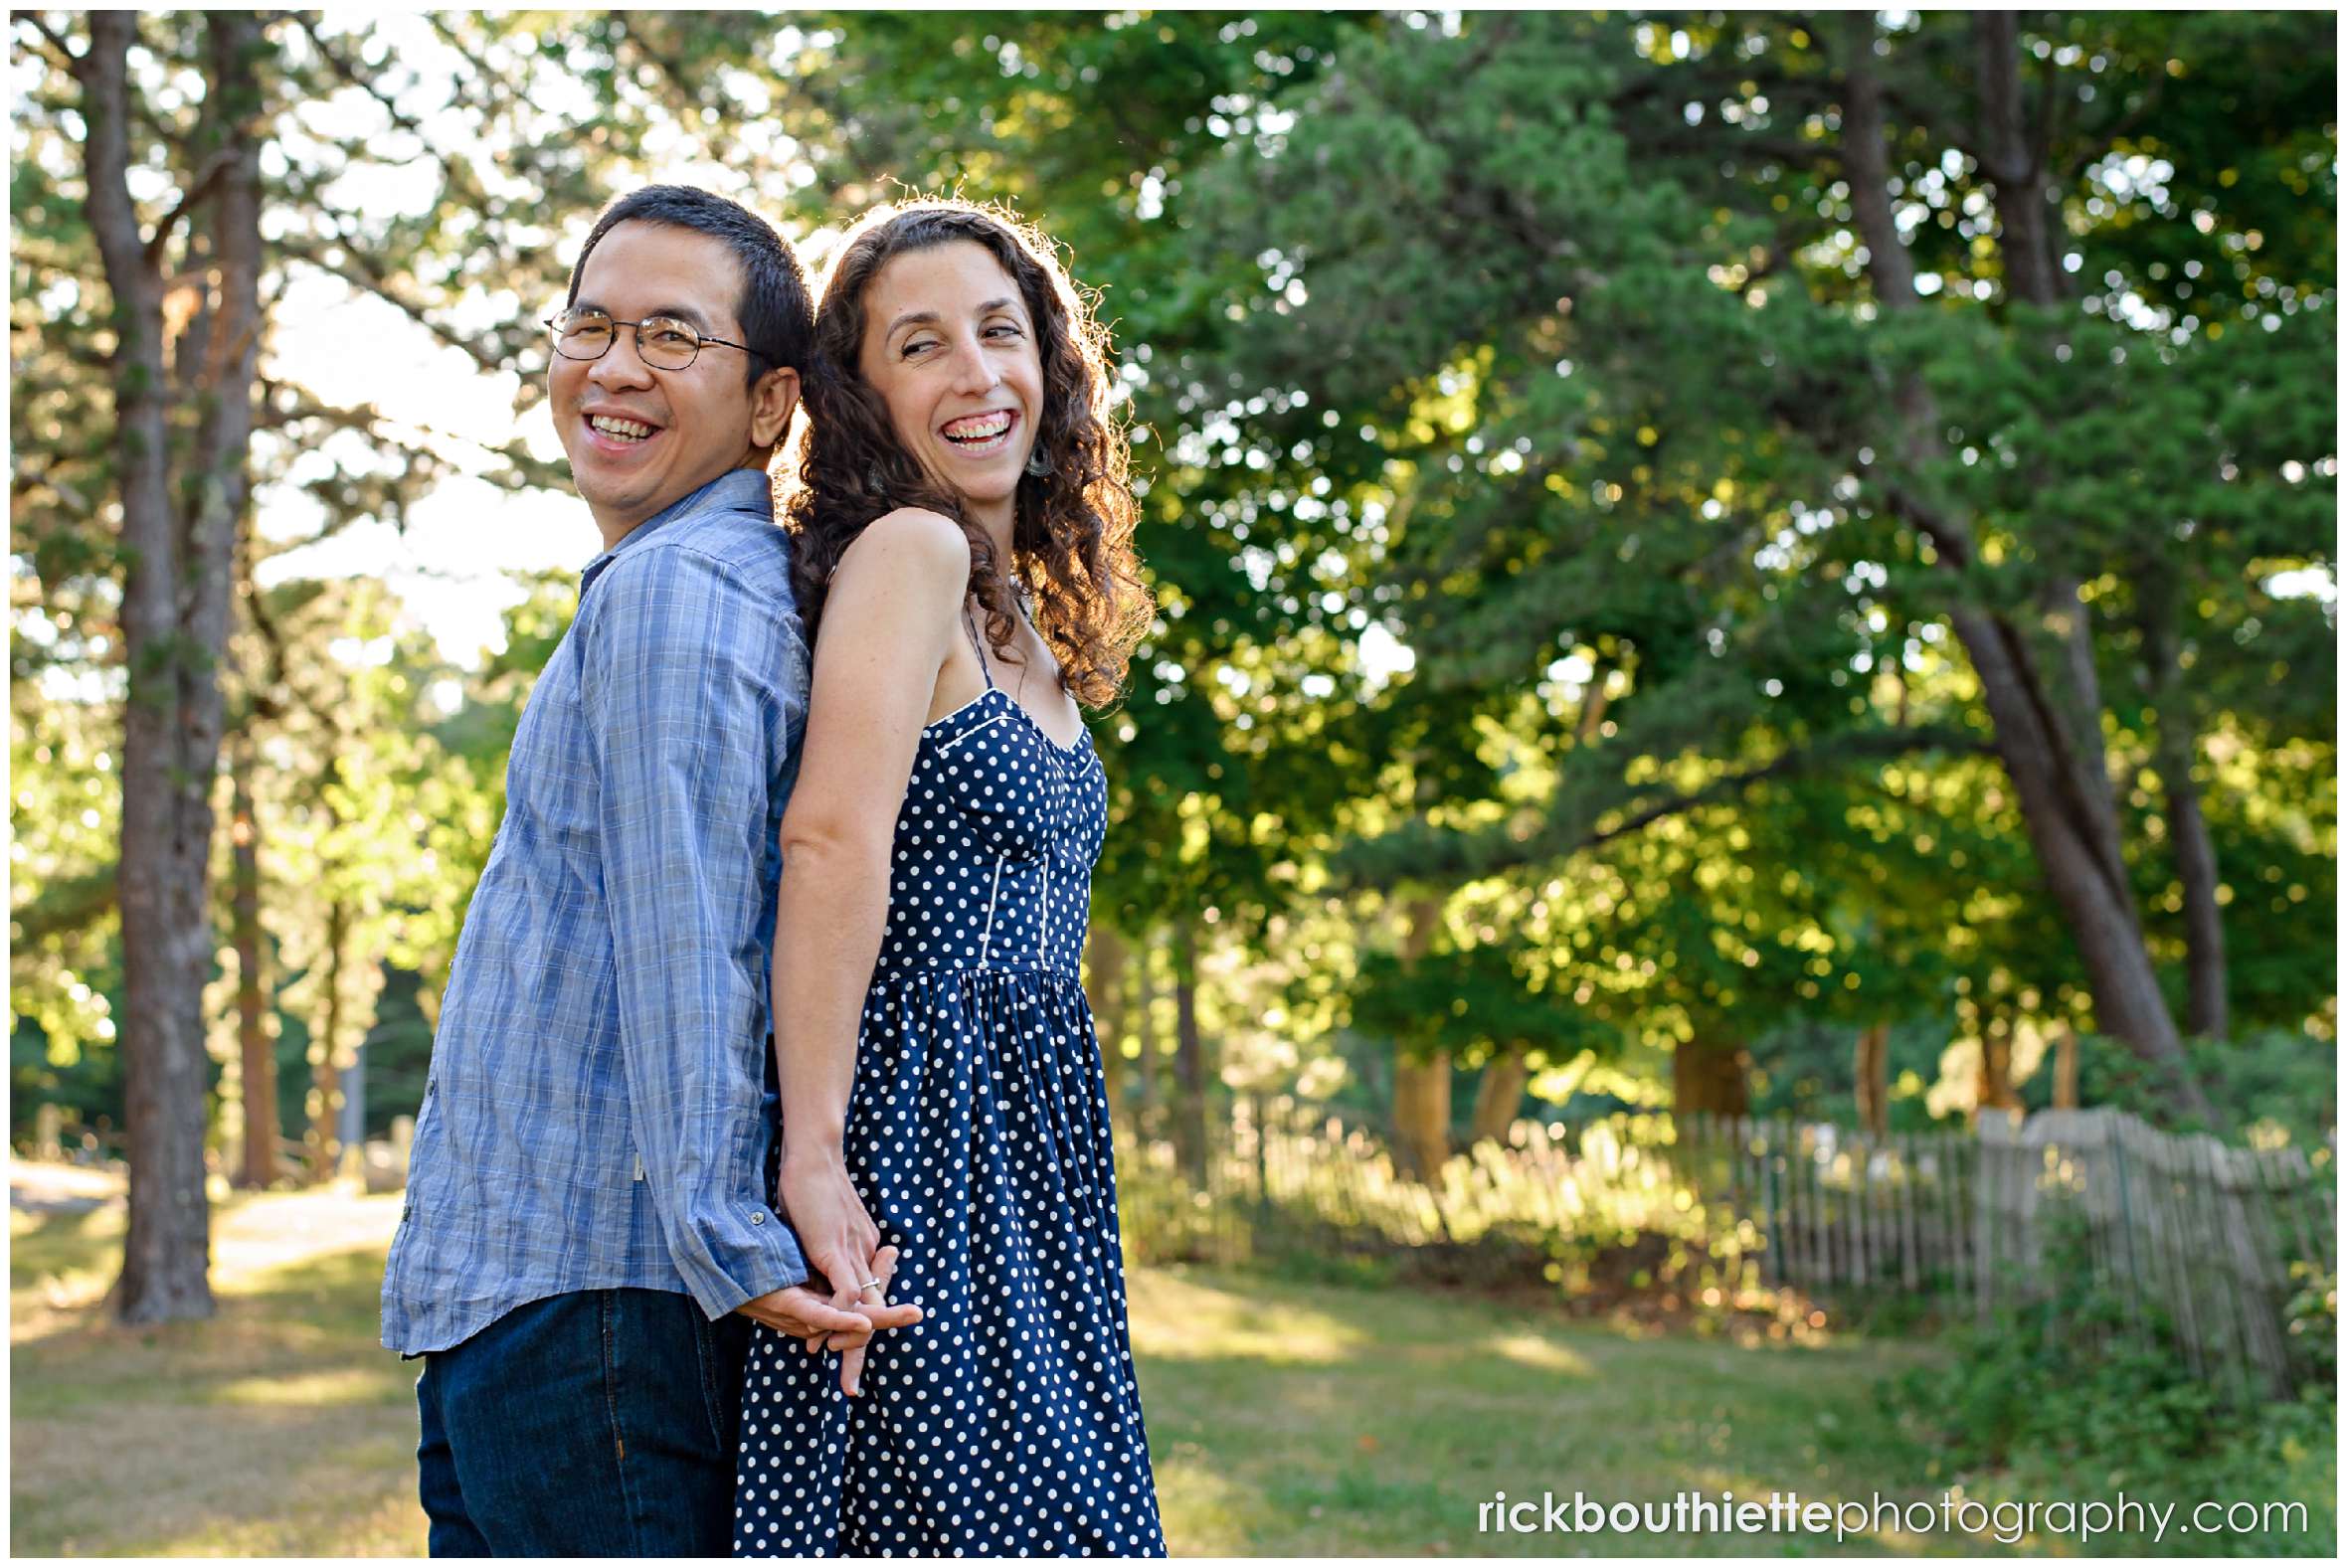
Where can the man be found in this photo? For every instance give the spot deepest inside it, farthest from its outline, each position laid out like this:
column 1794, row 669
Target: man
column 586, row 1239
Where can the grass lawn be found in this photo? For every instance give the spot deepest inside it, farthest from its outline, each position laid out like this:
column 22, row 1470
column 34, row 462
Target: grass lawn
column 1283, row 1418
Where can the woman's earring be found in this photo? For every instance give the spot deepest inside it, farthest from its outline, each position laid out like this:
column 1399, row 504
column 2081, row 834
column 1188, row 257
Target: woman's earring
column 1038, row 463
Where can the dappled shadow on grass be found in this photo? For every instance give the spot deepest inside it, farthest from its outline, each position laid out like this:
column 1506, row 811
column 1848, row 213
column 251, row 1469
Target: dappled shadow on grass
column 1285, row 1418
column 314, row 1317
column 1289, row 1419
column 275, row 1427
column 168, row 1479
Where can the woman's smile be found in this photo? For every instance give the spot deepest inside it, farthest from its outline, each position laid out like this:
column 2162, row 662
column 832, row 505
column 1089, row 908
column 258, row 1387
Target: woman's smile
column 981, row 435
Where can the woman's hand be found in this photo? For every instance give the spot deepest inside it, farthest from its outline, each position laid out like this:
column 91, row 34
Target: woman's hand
column 873, row 1303
column 836, row 1236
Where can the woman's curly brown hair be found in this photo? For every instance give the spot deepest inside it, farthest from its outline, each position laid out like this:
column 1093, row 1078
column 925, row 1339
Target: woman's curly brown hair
column 1072, row 540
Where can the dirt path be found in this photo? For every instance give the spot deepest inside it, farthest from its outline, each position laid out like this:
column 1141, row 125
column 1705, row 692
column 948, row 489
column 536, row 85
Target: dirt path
column 43, row 1187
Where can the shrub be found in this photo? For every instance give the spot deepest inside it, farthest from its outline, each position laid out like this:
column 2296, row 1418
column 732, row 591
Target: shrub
column 2060, row 1392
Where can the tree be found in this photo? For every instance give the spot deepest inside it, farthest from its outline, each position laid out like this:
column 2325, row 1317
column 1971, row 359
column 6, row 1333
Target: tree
column 183, row 343
column 144, row 251
column 1726, row 325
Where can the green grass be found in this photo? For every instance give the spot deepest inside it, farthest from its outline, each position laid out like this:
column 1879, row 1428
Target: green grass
column 1301, row 1419
column 1285, row 1418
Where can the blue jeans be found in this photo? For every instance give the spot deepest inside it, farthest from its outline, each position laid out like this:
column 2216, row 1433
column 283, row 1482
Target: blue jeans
column 595, row 1424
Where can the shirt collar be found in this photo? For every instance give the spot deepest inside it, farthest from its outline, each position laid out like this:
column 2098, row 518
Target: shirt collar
column 736, row 490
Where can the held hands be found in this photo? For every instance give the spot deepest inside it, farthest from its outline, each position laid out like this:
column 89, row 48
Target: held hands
column 836, row 1236
column 842, row 1246
column 803, row 1315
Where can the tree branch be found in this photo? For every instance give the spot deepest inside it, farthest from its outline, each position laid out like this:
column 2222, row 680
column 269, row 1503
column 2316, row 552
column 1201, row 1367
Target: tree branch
column 71, row 60
column 1891, row 743
column 359, row 274
column 206, row 179
column 1426, row 850
column 63, row 907
column 350, row 75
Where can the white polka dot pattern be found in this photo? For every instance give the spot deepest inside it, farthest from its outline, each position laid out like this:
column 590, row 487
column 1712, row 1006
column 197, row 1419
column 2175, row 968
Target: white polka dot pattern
column 1006, row 1423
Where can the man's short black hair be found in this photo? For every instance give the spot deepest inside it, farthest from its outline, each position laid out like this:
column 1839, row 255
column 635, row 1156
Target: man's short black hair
column 777, row 320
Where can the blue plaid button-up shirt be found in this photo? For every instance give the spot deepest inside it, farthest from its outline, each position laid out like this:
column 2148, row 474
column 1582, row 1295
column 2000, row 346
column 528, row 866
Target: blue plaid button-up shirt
column 599, row 1110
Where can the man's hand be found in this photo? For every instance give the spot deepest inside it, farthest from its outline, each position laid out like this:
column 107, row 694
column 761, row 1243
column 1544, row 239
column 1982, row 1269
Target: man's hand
column 803, row 1315
column 799, row 1313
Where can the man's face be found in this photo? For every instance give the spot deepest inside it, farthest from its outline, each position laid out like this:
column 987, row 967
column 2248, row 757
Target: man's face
column 703, row 421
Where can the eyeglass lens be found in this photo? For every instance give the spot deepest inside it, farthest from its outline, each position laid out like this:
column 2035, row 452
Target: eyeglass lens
column 664, row 342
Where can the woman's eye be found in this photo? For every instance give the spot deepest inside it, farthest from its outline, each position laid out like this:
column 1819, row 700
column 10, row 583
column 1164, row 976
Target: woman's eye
column 916, row 346
column 1003, row 328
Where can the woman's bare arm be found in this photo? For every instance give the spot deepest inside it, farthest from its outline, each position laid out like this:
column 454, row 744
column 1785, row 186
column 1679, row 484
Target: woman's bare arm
column 887, row 630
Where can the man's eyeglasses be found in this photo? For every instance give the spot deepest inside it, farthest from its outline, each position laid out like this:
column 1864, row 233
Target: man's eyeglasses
column 662, row 342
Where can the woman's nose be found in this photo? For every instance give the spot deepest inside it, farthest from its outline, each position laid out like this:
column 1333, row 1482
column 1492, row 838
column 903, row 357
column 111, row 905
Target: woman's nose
column 973, row 369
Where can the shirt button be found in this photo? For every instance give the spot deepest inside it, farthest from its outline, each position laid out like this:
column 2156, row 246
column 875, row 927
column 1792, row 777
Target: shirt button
column 758, row 1219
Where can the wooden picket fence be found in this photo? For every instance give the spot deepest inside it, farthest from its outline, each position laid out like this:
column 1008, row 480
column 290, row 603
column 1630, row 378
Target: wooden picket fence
column 2214, row 1239
column 2209, row 1239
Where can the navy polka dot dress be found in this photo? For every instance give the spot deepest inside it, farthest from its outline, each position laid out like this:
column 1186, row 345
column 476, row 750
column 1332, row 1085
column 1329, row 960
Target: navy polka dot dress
column 1006, row 1422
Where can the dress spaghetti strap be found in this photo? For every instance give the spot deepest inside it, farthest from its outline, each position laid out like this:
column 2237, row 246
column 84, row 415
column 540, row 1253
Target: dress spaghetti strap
column 971, row 622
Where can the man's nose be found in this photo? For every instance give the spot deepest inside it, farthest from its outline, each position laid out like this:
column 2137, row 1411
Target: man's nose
column 621, row 365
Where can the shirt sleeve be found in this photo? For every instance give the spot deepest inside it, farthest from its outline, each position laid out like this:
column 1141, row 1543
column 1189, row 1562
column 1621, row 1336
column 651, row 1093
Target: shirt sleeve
column 683, row 682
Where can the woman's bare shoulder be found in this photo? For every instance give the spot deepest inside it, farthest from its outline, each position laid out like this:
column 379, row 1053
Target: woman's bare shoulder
column 911, row 540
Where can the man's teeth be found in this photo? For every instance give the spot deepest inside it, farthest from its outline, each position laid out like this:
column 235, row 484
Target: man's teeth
column 627, row 428
column 985, row 428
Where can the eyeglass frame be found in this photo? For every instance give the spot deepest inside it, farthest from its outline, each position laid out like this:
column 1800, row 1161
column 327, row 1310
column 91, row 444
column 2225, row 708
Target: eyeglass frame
column 701, row 340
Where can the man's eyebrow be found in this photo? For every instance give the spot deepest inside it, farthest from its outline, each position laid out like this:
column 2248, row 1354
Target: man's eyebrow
column 684, row 314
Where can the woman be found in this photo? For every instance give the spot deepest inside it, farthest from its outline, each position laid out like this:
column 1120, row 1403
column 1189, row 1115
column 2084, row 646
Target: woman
column 963, row 562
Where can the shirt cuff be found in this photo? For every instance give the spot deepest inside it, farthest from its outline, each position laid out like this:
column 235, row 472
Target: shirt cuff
column 742, row 1253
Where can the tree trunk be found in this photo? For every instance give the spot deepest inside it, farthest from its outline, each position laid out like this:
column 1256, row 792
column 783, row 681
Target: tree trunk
column 1421, row 1083
column 1105, row 984
column 2175, row 743
column 175, row 612
column 1190, row 1056
column 1142, row 1086
column 1498, row 1096
column 2066, row 1068
column 1709, row 1074
column 256, row 1047
column 1993, row 1081
column 1872, row 1072
column 325, row 1052
column 2049, row 745
column 1422, row 1114
column 2015, row 163
column 2207, row 1011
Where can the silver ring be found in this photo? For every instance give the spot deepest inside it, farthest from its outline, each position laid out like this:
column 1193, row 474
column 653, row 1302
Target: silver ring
column 868, row 1284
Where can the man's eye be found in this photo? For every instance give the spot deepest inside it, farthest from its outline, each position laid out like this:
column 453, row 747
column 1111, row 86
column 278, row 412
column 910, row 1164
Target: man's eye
column 673, row 337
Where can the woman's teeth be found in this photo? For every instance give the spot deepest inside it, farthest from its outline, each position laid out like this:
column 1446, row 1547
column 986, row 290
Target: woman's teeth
column 981, row 432
column 624, row 430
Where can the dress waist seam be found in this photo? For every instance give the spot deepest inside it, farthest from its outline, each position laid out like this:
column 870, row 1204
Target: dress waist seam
column 961, row 970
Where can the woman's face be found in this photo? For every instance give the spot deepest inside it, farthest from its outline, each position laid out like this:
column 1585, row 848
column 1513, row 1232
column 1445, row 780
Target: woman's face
column 950, row 349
